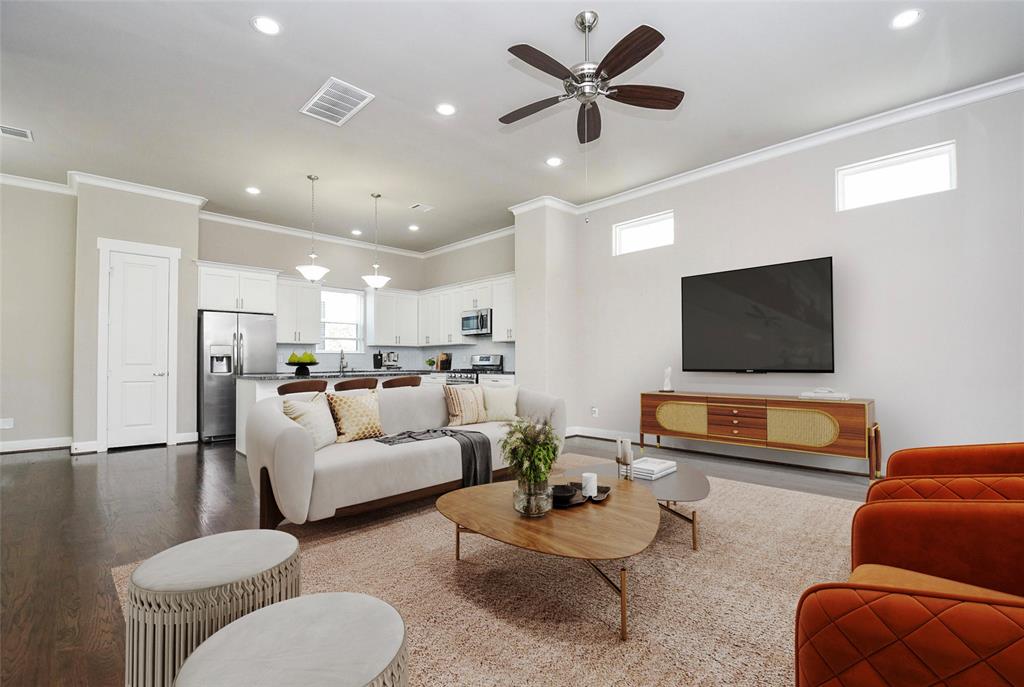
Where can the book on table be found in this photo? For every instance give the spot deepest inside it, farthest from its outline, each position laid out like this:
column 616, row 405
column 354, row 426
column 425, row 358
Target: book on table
column 652, row 468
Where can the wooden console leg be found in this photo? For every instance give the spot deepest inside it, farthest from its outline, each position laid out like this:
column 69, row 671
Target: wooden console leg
column 878, row 451
column 270, row 515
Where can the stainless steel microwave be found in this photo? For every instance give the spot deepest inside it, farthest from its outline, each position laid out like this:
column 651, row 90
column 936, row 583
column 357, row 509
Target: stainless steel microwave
column 476, row 321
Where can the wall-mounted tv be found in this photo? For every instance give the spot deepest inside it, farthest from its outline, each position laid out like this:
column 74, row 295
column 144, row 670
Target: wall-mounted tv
column 776, row 318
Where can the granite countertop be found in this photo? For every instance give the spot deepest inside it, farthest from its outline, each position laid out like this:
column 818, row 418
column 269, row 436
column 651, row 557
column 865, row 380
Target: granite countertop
column 271, row 376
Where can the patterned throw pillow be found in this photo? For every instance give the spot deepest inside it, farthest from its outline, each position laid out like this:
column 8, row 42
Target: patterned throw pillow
column 356, row 417
column 315, row 418
column 465, row 404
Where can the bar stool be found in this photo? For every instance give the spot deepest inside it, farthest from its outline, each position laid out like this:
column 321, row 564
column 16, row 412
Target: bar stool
column 302, row 385
column 357, row 383
column 413, row 380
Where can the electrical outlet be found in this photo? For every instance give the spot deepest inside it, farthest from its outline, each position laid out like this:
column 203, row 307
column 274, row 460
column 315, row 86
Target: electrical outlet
column 6, row 423
column 594, row 412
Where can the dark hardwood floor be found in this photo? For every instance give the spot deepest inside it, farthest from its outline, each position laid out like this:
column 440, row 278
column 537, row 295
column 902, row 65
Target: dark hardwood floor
column 66, row 521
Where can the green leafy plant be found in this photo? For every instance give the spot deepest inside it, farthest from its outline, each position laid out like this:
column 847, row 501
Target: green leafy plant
column 530, row 449
column 431, row 362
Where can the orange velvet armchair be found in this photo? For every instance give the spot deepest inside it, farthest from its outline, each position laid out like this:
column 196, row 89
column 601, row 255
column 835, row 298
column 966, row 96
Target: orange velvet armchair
column 936, row 597
column 974, row 472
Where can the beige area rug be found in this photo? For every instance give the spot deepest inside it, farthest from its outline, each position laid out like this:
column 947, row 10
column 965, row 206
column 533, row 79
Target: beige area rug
column 723, row 615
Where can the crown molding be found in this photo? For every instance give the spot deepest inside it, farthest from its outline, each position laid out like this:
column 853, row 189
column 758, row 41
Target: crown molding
column 471, row 241
column 924, row 108
column 36, row 184
column 544, row 202
column 302, row 233
column 77, row 178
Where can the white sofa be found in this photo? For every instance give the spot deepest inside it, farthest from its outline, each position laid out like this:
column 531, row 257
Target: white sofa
column 300, row 484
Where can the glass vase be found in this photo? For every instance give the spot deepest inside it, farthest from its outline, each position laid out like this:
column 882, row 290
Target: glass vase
column 533, row 499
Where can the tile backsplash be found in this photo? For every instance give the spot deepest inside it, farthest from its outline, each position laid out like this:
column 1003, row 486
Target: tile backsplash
column 409, row 358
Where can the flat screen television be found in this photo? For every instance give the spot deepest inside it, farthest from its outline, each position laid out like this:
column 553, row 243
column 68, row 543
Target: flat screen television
column 776, row 318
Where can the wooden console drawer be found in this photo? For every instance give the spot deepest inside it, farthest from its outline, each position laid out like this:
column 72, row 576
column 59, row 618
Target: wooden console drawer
column 720, row 410
column 738, row 421
column 737, row 432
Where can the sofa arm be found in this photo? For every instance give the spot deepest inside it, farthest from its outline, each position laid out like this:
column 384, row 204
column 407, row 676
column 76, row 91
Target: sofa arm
column 973, row 459
column 285, row 449
column 949, row 487
column 977, row 542
column 540, row 407
column 853, row 634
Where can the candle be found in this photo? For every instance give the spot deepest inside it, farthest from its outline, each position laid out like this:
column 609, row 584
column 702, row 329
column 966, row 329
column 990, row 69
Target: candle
column 590, row 484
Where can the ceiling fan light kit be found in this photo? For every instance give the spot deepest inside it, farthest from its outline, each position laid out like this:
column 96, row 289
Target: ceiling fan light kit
column 587, row 81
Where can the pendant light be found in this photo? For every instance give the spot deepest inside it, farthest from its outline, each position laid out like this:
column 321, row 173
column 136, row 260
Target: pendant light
column 375, row 281
column 313, row 272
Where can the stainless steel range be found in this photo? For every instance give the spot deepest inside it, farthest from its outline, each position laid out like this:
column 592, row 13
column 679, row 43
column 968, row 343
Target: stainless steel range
column 478, row 363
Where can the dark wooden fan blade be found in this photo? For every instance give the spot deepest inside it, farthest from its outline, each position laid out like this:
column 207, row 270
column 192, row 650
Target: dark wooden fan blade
column 638, row 44
column 541, row 61
column 654, row 97
column 588, row 123
column 527, row 110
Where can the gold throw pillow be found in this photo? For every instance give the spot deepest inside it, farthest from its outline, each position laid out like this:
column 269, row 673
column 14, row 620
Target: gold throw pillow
column 356, row 417
column 465, row 404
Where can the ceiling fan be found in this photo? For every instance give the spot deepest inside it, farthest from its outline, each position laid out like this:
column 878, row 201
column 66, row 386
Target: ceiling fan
column 587, row 80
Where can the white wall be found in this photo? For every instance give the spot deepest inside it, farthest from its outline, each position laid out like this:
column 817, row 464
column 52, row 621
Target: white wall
column 929, row 292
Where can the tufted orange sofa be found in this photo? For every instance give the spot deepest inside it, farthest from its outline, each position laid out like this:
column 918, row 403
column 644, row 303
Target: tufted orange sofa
column 935, row 597
column 974, row 472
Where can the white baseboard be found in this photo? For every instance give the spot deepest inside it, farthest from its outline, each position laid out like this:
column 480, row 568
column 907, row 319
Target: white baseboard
column 34, row 444
column 85, row 447
column 598, row 433
column 187, row 437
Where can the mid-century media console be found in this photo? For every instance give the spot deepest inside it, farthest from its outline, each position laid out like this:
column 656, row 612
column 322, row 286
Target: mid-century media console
column 787, row 423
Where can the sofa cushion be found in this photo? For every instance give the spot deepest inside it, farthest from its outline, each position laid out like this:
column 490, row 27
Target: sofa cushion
column 356, row 417
column 465, row 404
column 412, row 408
column 314, row 416
column 500, row 402
column 889, row 576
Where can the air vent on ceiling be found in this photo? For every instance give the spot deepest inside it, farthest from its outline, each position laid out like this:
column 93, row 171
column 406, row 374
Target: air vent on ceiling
column 421, row 207
column 336, row 101
column 15, row 132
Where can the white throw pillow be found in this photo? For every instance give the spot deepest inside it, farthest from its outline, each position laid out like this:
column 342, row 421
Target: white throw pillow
column 500, row 402
column 315, row 417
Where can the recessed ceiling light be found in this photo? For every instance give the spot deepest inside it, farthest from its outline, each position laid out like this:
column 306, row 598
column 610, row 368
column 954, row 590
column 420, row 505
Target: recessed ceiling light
column 357, row 232
column 446, row 109
column 266, row 25
column 413, row 227
column 554, row 162
column 252, row 190
column 906, row 19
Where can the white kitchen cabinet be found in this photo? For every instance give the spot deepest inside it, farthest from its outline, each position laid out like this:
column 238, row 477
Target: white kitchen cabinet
column 298, row 312
column 497, row 380
column 451, row 316
column 223, row 287
column 503, row 310
column 392, row 318
column 430, row 319
column 477, row 297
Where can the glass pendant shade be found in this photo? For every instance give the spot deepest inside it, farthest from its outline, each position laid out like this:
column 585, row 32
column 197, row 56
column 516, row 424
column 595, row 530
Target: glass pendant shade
column 376, row 281
column 313, row 272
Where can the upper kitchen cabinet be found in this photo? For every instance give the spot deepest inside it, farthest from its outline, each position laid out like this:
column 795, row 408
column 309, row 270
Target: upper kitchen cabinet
column 452, row 303
column 477, row 297
column 503, row 310
column 430, row 319
column 392, row 318
column 237, row 289
column 298, row 312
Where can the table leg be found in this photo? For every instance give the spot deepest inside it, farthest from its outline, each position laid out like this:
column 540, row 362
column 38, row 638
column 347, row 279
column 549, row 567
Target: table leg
column 622, row 604
column 691, row 518
column 458, row 540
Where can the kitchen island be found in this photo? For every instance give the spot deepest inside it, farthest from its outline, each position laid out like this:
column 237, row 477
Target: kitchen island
column 250, row 388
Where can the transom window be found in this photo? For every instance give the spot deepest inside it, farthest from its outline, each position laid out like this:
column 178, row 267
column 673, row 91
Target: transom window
column 341, row 321
column 917, row 172
column 644, row 233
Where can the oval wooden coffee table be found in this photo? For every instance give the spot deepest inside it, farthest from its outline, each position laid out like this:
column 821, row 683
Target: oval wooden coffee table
column 621, row 526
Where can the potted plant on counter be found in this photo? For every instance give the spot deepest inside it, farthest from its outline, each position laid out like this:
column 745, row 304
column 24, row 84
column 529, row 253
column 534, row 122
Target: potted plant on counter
column 530, row 449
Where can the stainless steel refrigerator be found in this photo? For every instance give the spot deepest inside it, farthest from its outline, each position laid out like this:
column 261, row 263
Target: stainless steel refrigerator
column 230, row 344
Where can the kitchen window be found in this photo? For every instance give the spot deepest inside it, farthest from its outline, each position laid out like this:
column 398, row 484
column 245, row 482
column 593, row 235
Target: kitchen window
column 341, row 321
column 917, row 172
column 644, row 233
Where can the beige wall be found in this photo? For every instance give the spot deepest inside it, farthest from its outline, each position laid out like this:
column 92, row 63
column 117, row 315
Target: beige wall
column 496, row 256
column 112, row 214
column 928, row 291
column 37, row 286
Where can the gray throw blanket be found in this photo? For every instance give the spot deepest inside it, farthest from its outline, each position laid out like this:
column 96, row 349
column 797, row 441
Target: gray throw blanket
column 476, row 450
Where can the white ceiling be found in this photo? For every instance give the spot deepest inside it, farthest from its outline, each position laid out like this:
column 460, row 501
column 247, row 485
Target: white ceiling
column 187, row 96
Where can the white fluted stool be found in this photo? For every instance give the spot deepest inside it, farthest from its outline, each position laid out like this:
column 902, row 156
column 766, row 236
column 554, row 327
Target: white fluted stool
column 339, row 639
column 181, row 596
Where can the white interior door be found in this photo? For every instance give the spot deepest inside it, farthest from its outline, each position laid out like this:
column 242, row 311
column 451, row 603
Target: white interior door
column 137, row 350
